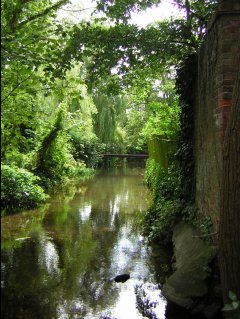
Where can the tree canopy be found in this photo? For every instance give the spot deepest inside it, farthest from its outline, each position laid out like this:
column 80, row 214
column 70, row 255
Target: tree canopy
column 89, row 85
column 72, row 91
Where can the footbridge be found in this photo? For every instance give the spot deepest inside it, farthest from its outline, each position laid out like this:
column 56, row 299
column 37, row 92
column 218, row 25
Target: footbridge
column 126, row 155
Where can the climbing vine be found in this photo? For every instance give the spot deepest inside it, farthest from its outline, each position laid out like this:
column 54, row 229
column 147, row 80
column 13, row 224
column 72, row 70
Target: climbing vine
column 185, row 86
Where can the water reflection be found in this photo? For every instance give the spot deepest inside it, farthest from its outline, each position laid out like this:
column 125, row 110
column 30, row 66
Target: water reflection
column 48, row 258
column 85, row 212
column 64, row 265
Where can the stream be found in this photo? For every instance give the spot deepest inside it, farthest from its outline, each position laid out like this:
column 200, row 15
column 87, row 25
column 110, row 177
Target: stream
column 59, row 261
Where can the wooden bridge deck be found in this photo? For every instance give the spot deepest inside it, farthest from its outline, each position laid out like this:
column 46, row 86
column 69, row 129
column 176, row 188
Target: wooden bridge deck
column 126, row 155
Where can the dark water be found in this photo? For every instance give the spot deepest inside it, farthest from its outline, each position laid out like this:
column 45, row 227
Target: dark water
column 58, row 261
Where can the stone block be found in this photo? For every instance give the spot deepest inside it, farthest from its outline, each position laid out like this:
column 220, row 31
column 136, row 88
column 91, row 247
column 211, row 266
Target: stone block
column 193, row 256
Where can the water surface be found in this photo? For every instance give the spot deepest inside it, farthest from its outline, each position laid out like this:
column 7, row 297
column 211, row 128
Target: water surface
column 59, row 261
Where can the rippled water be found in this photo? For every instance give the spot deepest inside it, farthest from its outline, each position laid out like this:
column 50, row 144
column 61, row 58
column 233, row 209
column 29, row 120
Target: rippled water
column 59, row 261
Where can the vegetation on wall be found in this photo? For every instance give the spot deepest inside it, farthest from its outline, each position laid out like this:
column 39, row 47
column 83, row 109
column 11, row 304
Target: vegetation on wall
column 70, row 91
column 164, row 211
column 73, row 91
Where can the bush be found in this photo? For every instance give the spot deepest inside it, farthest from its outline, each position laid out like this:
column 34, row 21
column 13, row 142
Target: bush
column 81, row 170
column 153, row 175
column 87, row 150
column 162, row 183
column 160, row 220
column 164, row 211
column 20, row 189
column 55, row 163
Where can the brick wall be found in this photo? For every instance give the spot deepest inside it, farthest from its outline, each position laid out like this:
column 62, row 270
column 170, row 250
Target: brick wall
column 217, row 61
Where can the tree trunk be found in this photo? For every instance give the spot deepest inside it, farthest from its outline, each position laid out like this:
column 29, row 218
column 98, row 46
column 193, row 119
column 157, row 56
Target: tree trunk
column 229, row 232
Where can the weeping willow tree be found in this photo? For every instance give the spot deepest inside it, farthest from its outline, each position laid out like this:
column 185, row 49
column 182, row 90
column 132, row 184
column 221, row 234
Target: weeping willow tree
column 111, row 114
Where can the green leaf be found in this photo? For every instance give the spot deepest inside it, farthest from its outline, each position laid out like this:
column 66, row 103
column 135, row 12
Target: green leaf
column 235, row 304
column 232, row 295
column 227, row 307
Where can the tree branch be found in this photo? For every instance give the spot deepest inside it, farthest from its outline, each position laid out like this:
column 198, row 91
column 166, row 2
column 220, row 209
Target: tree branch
column 15, row 88
column 40, row 14
column 79, row 10
column 32, row 91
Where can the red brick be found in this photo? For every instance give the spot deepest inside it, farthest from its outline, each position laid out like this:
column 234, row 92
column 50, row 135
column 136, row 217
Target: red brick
column 233, row 28
column 224, row 103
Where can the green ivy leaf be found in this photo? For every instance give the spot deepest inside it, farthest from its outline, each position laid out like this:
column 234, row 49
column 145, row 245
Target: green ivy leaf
column 235, row 304
column 227, row 307
column 232, row 295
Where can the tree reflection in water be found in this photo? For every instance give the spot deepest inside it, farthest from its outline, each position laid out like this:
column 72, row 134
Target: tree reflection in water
column 85, row 237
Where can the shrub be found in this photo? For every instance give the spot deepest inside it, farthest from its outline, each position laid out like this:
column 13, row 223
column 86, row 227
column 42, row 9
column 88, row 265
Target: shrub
column 81, row 170
column 164, row 211
column 55, row 164
column 20, row 189
column 153, row 174
column 162, row 184
column 86, row 149
column 160, row 220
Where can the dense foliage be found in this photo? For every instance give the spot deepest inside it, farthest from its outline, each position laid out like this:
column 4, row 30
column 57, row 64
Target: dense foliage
column 20, row 189
column 72, row 91
column 39, row 109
